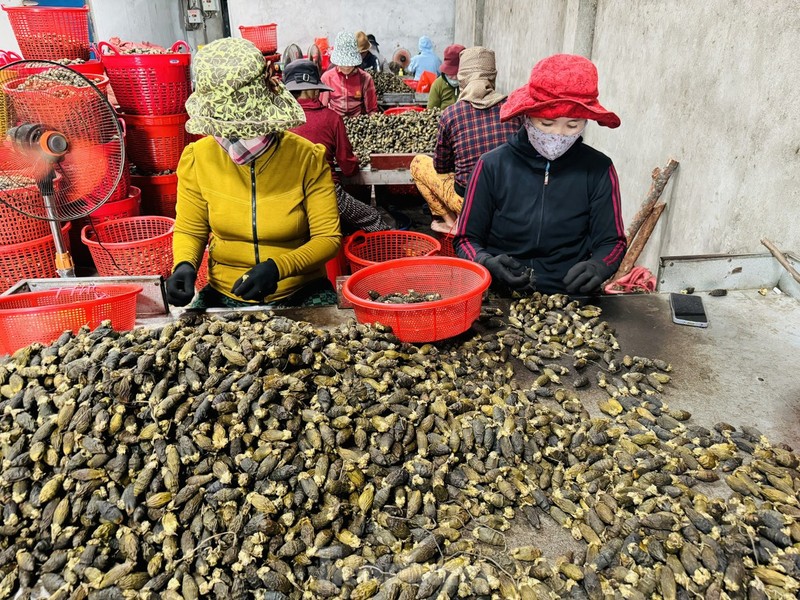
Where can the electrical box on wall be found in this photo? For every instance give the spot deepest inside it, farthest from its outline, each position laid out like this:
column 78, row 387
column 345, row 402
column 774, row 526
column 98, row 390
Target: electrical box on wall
column 195, row 16
column 210, row 5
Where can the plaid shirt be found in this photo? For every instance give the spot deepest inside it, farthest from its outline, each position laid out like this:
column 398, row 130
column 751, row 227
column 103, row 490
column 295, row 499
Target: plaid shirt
column 465, row 133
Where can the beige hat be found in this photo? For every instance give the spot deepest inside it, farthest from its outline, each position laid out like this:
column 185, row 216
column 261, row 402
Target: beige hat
column 363, row 41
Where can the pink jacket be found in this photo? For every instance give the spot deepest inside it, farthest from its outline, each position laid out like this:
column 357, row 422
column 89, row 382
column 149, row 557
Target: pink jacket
column 352, row 94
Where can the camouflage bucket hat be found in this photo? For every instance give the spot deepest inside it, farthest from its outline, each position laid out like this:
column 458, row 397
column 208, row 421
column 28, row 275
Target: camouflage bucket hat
column 233, row 97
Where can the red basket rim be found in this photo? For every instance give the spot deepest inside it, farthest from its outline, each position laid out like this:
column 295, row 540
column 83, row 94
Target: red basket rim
column 115, row 53
column 155, row 178
column 358, row 236
column 416, row 262
column 243, row 27
column 10, row 248
column 45, row 8
column 116, row 291
column 96, row 80
column 106, row 224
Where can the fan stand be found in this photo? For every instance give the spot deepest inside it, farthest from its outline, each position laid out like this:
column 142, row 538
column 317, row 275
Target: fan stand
column 64, row 265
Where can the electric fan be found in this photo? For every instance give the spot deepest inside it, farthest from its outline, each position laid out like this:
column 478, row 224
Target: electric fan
column 402, row 57
column 65, row 139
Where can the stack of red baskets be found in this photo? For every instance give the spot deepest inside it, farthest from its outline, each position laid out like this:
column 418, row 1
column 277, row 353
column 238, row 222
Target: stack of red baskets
column 27, row 248
column 151, row 90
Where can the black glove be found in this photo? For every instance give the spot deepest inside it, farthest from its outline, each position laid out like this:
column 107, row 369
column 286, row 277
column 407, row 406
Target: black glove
column 258, row 282
column 180, row 285
column 584, row 277
column 508, row 271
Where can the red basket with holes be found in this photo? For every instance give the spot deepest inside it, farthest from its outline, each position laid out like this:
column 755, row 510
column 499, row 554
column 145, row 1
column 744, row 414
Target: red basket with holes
column 446, row 240
column 202, row 272
column 155, row 142
column 149, row 84
column 132, row 246
column 16, row 227
column 75, row 111
column 44, row 316
column 108, row 211
column 35, row 259
column 398, row 110
column 460, row 283
column 50, row 33
column 265, row 37
column 365, row 249
column 159, row 193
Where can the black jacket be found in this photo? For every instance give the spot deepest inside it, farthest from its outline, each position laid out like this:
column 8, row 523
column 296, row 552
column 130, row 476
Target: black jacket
column 548, row 215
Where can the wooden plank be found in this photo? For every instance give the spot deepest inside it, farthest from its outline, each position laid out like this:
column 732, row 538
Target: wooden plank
column 393, row 177
column 385, row 162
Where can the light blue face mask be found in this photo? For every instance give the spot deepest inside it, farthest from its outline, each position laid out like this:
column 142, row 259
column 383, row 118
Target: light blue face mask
column 452, row 82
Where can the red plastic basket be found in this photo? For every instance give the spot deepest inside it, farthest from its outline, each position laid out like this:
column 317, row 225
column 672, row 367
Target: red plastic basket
column 44, row 316
column 202, row 272
column 109, row 211
column 397, row 110
column 16, row 227
column 461, row 284
column 365, row 249
column 132, row 246
column 30, row 260
column 121, row 208
column 78, row 114
column 159, row 193
column 265, row 37
column 149, row 84
column 155, row 142
column 446, row 240
column 49, row 33
column 90, row 67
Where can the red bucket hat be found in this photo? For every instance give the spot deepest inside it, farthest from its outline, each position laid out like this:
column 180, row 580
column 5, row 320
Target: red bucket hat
column 451, row 60
column 562, row 85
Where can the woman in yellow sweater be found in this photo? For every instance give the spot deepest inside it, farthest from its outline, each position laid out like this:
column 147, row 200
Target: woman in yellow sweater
column 265, row 195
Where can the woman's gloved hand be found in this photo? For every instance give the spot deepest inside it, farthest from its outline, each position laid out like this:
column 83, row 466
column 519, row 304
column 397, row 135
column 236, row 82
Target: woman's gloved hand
column 258, row 282
column 585, row 277
column 180, row 285
column 508, row 271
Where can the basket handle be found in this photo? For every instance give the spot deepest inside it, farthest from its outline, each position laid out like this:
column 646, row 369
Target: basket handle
column 87, row 233
column 176, row 47
column 124, row 127
column 103, row 45
column 9, row 56
column 359, row 237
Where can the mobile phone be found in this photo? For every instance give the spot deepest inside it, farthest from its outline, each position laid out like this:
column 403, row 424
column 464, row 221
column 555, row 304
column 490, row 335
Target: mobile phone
column 687, row 309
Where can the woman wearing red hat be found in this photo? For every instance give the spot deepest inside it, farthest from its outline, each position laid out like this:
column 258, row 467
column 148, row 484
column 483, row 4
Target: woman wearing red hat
column 444, row 91
column 543, row 210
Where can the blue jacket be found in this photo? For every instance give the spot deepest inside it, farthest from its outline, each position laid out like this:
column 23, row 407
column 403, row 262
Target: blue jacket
column 549, row 215
column 426, row 60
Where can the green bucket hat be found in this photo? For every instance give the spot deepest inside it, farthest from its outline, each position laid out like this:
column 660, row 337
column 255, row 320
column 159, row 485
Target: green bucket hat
column 233, row 97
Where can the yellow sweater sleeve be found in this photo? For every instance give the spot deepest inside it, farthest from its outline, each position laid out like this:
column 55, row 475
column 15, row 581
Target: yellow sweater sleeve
column 191, row 223
column 325, row 235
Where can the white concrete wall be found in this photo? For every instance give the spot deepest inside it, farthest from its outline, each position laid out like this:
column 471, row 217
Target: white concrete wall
column 710, row 83
column 395, row 24
column 521, row 32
